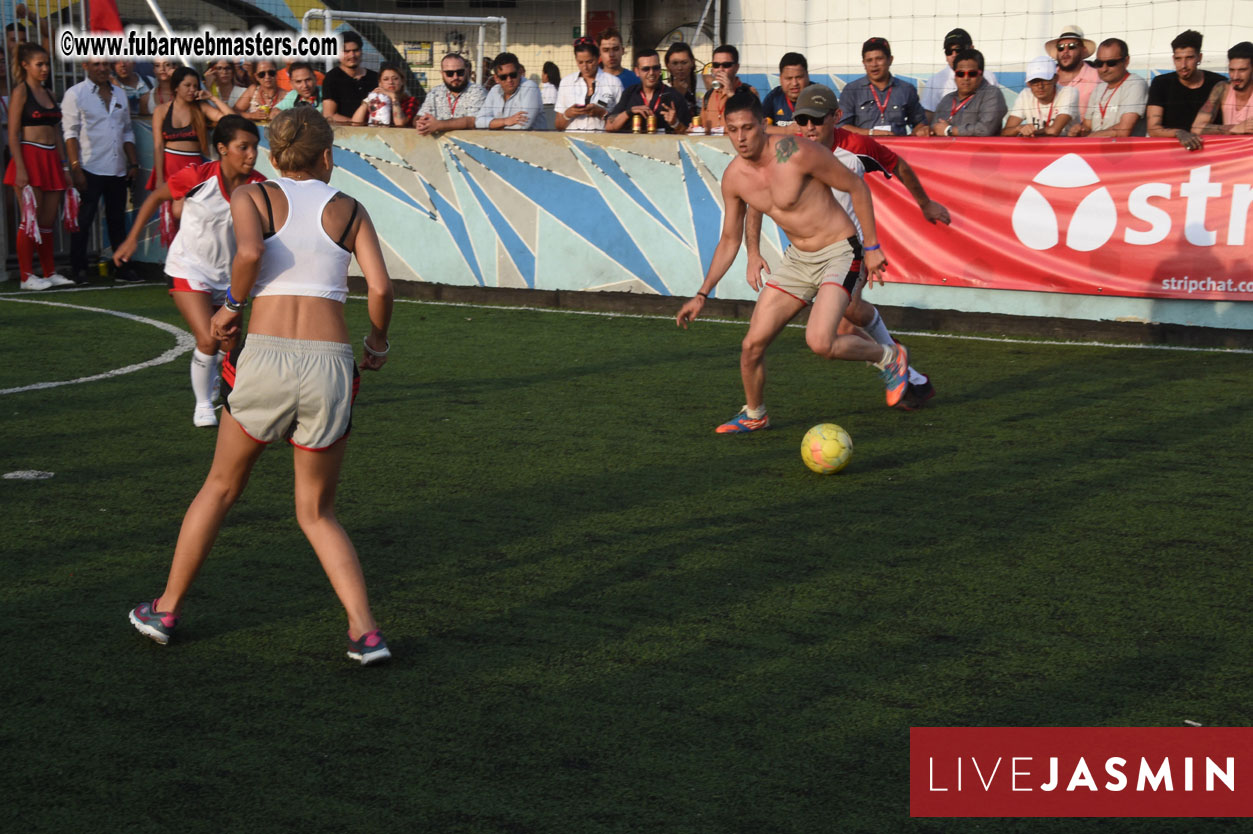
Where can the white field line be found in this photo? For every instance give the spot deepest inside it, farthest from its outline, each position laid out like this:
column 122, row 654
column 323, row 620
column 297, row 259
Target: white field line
column 911, row 333
column 184, row 342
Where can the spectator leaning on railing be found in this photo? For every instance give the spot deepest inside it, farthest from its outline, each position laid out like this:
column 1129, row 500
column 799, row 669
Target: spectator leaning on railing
column 1117, row 105
column 1231, row 100
column 976, row 108
column 1043, row 108
column 305, row 90
column 1176, row 97
column 588, row 95
column 793, row 77
column 454, row 104
column 514, row 102
column 879, row 102
column 347, row 85
column 650, row 98
column 388, row 105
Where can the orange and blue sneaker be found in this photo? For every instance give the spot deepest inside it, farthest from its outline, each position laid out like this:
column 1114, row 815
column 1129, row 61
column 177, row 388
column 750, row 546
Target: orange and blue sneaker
column 369, row 648
column 743, row 423
column 895, row 375
column 159, row 625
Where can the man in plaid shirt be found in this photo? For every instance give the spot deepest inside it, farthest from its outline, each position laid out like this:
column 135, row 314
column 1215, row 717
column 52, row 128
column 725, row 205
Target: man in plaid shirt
column 454, row 104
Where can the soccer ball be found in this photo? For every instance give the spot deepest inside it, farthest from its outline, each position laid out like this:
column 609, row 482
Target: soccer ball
column 827, row 448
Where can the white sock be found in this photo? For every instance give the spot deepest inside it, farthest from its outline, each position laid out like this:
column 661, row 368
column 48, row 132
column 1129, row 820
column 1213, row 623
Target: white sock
column 889, row 353
column 916, row 378
column 203, row 367
column 755, row 413
column 879, row 331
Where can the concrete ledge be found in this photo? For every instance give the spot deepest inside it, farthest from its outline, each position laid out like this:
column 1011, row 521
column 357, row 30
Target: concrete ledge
column 897, row 318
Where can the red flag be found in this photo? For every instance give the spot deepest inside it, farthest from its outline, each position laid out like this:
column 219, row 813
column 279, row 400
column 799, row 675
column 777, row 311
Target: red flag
column 103, row 16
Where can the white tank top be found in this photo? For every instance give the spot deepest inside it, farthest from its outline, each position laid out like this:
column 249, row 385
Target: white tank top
column 300, row 258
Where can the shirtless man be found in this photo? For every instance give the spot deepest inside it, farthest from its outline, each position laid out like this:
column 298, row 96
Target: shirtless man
column 790, row 179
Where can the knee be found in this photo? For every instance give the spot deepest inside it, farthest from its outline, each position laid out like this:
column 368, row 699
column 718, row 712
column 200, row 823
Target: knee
column 207, row 345
column 752, row 349
column 312, row 514
column 819, row 341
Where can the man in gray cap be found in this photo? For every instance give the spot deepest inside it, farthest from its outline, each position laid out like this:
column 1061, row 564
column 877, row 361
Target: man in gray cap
column 943, row 82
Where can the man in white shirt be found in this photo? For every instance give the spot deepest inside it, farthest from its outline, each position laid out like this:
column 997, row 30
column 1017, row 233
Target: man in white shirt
column 100, row 145
column 943, row 82
column 586, row 97
column 1118, row 105
column 513, row 102
column 1043, row 108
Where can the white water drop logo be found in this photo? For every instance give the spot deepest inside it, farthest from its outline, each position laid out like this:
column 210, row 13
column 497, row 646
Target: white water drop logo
column 1092, row 225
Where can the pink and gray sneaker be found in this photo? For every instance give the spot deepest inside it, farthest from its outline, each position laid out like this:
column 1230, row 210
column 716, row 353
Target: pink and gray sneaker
column 159, row 625
column 369, row 648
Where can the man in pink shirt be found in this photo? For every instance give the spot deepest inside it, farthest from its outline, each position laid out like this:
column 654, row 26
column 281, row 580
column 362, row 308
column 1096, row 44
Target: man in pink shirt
column 1070, row 50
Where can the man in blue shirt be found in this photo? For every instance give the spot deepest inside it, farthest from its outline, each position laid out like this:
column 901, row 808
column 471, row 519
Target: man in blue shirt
column 793, row 77
column 880, row 103
column 513, row 102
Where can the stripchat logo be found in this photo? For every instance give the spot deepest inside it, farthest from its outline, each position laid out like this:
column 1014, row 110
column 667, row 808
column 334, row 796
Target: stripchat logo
column 1151, row 210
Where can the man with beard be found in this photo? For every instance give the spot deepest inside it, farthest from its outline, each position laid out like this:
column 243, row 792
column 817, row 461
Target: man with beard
column 1231, row 99
column 1070, row 50
column 1175, row 98
column 791, row 180
column 454, row 104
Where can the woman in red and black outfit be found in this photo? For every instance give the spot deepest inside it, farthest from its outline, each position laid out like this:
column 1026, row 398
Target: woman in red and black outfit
column 38, row 152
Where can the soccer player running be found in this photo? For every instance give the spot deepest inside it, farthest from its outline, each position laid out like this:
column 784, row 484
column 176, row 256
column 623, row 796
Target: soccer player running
column 198, row 264
column 791, row 179
column 817, row 115
column 294, row 379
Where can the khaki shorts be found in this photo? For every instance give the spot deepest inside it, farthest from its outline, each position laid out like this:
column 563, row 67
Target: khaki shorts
column 800, row 274
column 291, row 389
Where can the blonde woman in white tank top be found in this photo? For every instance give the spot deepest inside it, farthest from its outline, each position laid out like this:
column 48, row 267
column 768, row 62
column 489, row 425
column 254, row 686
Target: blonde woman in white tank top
column 294, row 378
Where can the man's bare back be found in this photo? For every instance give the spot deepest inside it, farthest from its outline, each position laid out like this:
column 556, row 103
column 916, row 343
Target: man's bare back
column 782, row 185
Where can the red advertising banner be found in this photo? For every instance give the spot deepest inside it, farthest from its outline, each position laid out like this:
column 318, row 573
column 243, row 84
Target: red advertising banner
column 1139, row 217
column 1081, row 772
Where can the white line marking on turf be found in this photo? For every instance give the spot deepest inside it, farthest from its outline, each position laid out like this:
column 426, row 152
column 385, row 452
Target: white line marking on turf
column 960, row 336
column 184, row 342
column 30, row 475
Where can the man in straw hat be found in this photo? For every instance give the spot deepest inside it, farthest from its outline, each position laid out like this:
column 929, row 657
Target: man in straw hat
column 1071, row 50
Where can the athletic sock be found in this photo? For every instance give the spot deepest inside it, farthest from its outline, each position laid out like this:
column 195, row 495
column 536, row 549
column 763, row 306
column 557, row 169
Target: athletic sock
column 25, row 253
column 755, row 413
column 203, row 366
column 47, row 260
column 889, row 353
column 879, row 331
column 916, row 378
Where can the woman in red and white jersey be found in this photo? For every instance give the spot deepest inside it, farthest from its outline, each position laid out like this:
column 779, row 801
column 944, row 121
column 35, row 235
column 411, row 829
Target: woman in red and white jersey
column 198, row 264
column 295, row 378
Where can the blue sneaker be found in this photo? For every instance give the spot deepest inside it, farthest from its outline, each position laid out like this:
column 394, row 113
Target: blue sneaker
column 159, row 625
column 370, row 648
column 743, row 423
column 895, row 375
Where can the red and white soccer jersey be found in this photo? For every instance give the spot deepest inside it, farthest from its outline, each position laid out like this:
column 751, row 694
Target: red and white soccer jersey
column 204, row 247
column 874, row 156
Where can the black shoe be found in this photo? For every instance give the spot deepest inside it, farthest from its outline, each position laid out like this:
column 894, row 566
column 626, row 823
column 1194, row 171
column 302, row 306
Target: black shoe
column 916, row 396
column 81, row 277
column 126, row 275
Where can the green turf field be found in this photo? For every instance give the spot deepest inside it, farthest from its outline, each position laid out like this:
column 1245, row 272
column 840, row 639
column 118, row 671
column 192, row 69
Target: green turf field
column 605, row 617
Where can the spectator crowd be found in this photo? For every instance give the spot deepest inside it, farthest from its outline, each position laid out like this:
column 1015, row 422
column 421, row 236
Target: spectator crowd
column 1078, row 87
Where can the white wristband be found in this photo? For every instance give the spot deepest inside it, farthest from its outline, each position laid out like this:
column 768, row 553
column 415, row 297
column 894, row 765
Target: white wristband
column 378, row 354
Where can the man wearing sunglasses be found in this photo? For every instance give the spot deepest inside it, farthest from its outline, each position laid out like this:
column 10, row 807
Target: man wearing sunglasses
column 650, row 97
column 944, row 82
column 1117, row 106
column 1070, row 50
column 723, row 82
column 975, row 108
column 514, row 101
column 454, row 104
column 817, row 115
column 791, row 180
column 879, row 102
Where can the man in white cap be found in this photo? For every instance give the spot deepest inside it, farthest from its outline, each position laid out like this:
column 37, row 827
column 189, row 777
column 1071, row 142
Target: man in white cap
column 1042, row 108
column 1070, row 50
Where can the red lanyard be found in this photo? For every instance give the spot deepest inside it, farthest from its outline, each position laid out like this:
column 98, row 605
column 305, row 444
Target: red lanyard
column 883, row 108
column 452, row 102
column 956, row 108
column 1104, row 103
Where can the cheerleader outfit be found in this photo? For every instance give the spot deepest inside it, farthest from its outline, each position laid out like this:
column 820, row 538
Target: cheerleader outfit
column 44, row 171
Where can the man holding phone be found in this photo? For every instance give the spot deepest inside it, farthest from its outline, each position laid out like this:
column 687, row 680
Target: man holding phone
column 587, row 96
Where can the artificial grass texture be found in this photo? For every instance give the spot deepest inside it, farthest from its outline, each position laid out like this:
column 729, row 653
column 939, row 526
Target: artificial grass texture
column 604, row 616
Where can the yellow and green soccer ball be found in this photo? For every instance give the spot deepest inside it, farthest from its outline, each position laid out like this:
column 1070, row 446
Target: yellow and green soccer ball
column 827, row 448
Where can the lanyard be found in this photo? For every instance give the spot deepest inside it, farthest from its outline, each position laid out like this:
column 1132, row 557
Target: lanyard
column 1104, row 103
column 452, row 102
column 884, row 106
column 956, row 108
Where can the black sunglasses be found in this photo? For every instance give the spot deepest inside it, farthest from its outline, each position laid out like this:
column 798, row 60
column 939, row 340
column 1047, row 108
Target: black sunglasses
column 722, row 64
column 1112, row 62
column 454, row 73
column 953, row 50
column 805, row 121
column 266, row 73
column 1067, row 47
column 968, row 73
column 503, row 76
column 650, row 68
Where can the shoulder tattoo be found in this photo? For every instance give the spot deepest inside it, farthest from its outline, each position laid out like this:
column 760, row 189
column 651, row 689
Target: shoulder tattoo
column 784, row 149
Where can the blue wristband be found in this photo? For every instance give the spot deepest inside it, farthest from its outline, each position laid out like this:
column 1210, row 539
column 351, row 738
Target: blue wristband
column 864, row 249
column 231, row 299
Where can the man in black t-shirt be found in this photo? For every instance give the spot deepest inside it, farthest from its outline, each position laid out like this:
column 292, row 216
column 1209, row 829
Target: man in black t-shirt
column 649, row 97
column 346, row 86
column 1175, row 98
